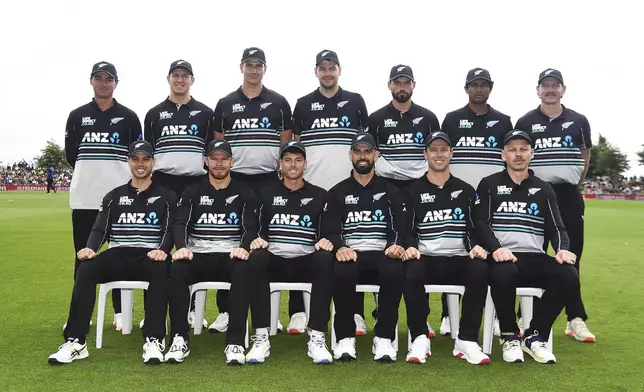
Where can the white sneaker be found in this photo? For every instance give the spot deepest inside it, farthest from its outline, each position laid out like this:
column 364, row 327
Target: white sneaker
column 178, row 351
column 383, row 350
column 497, row 327
column 297, row 325
column 431, row 333
column 235, row 355
column 153, row 351
column 421, row 349
column 345, row 350
column 318, row 350
column 118, row 321
column 512, row 352
column 471, row 352
column 577, row 329
column 446, row 329
column 280, row 327
column 141, row 324
column 68, row 352
column 260, row 350
column 537, row 349
column 220, row 325
column 191, row 320
column 361, row 327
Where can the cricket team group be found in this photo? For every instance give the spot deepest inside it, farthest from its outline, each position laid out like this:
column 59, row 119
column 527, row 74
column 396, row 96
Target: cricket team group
column 329, row 194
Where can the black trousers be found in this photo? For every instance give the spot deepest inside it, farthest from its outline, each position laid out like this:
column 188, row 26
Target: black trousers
column 560, row 282
column 119, row 264
column 82, row 223
column 210, row 267
column 370, row 268
column 572, row 208
column 457, row 270
column 315, row 268
column 50, row 185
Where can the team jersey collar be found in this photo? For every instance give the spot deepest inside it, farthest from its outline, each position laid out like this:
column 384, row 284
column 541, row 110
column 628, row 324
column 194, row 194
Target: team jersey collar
column 336, row 97
column 392, row 108
column 564, row 111
column 190, row 104
column 135, row 191
column 472, row 113
column 261, row 97
column 369, row 184
column 448, row 183
column 527, row 181
column 95, row 105
column 303, row 188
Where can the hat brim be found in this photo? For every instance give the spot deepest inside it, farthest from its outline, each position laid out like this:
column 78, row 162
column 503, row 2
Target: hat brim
column 180, row 66
column 294, row 150
column 133, row 153
column 328, row 59
column 515, row 137
column 550, row 76
column 432, row 140
column 253, row 58
column 370, row 145
column 219, row 150
column 479, row 78
column 104, row 71
column 402, row 76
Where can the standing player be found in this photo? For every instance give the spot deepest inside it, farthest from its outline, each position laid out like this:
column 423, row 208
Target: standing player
column 215, row 225
column 179, row 128
column 255, row 121
column 290, row 248
column 365, row 222
column 97, row 137
column 444, row 250
column 325, row 121
column 562, row 147
column 514, row 212
column 51, row 174
column 400, row 129
column 476, row 131
column 136, row 219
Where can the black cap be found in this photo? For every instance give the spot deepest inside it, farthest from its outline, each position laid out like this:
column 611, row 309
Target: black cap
column 141, row 146
column 253, row 53
column 478, row 73
column 326, row 55
column 550, row 73
column 104, row 66
column 401, row 70
column 437, row 135
column 219, row 146
column 181, row 64
column 293, row 146
column 516, row 134
column 363, row 138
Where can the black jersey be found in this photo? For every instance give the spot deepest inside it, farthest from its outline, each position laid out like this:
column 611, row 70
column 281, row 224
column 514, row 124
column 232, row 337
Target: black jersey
column 96, row 146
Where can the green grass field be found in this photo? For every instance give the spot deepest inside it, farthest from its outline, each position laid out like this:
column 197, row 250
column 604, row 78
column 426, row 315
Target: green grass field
column 35, row 285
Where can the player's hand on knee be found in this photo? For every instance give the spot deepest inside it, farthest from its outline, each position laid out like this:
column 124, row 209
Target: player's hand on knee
column 258, row 243
column 504, row 254
column 478, row 252
column 182, row 254
column 565, row 257
column 346, row 254
column 324, row 244
column 411, row 253
column 395, row 252
column 86, row 254
column 239, row 253
column 157, row 255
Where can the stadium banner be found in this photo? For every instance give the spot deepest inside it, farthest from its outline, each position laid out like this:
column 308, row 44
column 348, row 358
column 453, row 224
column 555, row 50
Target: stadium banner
column 42, row 188
column 607, row 196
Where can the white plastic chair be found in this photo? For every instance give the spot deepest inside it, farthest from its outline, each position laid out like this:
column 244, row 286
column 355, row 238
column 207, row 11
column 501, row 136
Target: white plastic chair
column 276, row 293
column 200, row 290
column 361, row 288
column 127, row 303
column 526, row 302
column 452, row 292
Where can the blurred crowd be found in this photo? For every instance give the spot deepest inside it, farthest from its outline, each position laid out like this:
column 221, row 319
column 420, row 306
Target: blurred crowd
column 24, row 173
column 614, row 185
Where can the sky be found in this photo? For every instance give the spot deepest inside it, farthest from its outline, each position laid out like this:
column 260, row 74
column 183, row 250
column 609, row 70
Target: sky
column 48, row 48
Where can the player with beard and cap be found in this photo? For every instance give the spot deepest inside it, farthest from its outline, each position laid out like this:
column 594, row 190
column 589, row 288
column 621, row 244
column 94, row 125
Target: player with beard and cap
column 179, row 128
column 400, row 129
column 476, row 131
column 515, row 211
column 325, row 121
column 214, row 227
column 365, row 223
column 290, row 248
column 97, row 137
column 562, row 147
column 255, row 120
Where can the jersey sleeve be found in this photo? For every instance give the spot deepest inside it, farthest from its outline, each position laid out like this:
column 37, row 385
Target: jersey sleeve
column 264, row 219
column 102, row 224
column 148, row 129
column 287, row 115
column 397, row 211
column 554, row 225
column 363, row 113
column 434, row 125
column 71, row 141
column 373, row 127
column 483, row 217
column 167, row 223
column 298, row 120
column 136, row 132
column 585, row 133
column 332, row 220
column 218, row 117
column 182, row 220
column 471, row 239
column 249, row 220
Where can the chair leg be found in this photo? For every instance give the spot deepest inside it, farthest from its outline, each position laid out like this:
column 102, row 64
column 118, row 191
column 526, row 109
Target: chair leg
column 395, row 342
column 453, row 312
column 200, row 308
column 127, row 305
column 307, row 304
column 100, row 315
column 275, row 311
column 488, row 324
column 333, row 339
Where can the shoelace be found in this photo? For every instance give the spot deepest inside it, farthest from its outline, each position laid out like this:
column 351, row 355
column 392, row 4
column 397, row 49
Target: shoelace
column 68, row 345
column 580, row 328
column 510, row 344
column 258, row 339
column 155, row 342
column 179, row 345
column 234, row 349
column 319, row 342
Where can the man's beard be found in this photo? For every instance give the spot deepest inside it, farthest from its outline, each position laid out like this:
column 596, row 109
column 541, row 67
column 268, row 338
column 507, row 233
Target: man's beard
column 402, row 96
column 363, row 169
